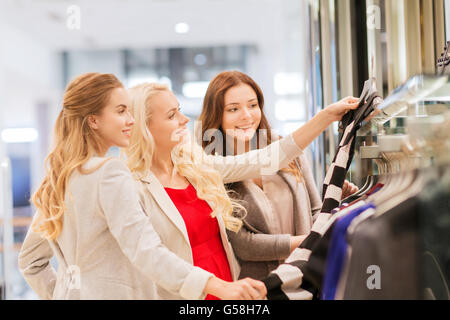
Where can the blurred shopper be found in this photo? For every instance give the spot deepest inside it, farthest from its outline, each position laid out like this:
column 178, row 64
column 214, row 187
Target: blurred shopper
column 280, row 207
column 89, row 215
column 181, row 188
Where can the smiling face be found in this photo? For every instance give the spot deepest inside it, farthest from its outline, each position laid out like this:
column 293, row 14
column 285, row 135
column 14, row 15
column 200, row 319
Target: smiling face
column 242, row 114
column 167, row 124
column 114, row 122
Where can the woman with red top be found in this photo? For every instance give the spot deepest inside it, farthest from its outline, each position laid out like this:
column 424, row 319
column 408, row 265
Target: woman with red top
column 203, row 231
column 182, row 191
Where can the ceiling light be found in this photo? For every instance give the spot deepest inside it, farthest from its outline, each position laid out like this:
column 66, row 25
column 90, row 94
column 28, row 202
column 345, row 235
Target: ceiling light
column 182, row 27
column 19, row 135
column 200, row 59
column 195, row 89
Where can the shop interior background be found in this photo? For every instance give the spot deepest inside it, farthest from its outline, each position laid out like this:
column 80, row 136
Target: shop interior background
column 303, row 53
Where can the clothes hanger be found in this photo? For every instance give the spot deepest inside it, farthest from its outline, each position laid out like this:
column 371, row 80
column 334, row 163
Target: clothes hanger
column 428, row 138
column 425, row 142
column 389, row 148
column 394, row 182
column 368, row 89
column 366, row 106
column 400, row 188
column 369, row 183
column 373, row 153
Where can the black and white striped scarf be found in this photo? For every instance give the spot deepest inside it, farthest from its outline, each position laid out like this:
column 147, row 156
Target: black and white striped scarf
column 295, row 278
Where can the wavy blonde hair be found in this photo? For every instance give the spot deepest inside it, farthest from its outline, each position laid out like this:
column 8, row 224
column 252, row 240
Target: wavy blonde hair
column 188, row 158
column 74, row 144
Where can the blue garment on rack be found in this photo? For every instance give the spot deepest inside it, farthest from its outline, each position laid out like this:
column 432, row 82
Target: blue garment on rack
column 337, row 252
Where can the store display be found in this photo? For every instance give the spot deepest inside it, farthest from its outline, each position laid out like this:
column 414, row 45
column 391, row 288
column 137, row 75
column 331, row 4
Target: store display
column 383, row 243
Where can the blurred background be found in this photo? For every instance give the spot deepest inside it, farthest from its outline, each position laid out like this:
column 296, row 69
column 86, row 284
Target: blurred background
column 305, row 54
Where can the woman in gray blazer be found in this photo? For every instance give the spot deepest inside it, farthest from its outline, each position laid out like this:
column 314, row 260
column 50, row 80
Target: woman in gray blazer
column 89, row 215
column 281, row 206
column 163, row 160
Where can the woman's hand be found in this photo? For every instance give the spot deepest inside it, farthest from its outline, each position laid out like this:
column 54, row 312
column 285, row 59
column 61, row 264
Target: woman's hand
column 348, row 189
column 296, row 241
column 306, row 134
column 245, row 289
column 338, row 109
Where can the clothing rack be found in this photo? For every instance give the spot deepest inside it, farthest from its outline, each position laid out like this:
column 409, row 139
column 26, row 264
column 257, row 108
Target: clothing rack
column 428, row 141
column 404, row 99
column 382, row 220
column 386, row 143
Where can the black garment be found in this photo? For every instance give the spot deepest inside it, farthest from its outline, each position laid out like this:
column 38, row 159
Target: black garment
column 352, row 123
column 390, row 242
column 434, row 228
column 410, row 244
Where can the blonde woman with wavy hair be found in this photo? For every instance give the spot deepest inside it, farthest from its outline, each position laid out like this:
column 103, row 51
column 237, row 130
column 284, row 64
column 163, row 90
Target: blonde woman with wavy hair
column 182, row 189
column 89, row 215
column 187, row 157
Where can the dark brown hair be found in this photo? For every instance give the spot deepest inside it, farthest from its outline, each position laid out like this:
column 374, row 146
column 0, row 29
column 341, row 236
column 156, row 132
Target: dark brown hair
column 214, row 105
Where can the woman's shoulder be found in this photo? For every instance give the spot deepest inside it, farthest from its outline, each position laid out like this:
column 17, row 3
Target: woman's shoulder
column 102, row 165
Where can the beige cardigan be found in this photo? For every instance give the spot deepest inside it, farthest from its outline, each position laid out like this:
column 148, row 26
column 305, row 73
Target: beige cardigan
column 108, row 247
column 259, row 246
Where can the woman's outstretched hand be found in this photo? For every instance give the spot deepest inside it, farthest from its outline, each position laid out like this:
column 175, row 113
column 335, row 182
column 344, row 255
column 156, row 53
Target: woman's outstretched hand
column 338, row 109
column 306, row 134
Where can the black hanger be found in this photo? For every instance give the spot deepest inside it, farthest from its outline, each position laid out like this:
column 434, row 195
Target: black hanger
column 363, row 111
column 368, row 88
column 369, row 183
column 369, row 92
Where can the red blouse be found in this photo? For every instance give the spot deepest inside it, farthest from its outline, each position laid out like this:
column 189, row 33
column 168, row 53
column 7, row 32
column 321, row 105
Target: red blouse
column 203, row 232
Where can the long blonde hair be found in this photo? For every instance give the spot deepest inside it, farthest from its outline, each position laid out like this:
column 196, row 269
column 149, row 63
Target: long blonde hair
column 74, row 143
column 187, row 158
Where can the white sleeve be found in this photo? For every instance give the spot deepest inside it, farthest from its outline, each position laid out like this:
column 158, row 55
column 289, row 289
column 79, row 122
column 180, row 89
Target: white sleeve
column 139, row 241
column 253, row 164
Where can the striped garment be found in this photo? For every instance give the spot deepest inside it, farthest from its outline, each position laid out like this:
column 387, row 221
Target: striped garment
column 295, row 279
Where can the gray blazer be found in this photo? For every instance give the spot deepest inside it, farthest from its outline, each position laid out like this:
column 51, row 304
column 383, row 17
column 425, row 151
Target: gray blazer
column 108, row 247
column 258, row 250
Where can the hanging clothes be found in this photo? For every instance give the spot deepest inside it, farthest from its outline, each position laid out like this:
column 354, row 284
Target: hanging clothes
column 408, row 244
column 337, row 251
column 434, row 228
column 376, row 242
column 295, row 279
